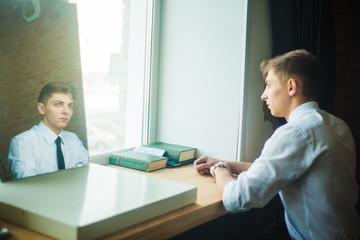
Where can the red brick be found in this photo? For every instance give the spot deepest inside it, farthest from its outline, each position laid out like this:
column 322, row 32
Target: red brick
column 354, row 62
column 350, row 48
column 346, row 105
column 347, row 20
column 346, row 6
column 351, row 76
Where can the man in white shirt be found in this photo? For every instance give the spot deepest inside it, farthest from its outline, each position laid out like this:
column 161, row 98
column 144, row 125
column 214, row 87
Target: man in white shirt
column 46, row 147
column 310, row 161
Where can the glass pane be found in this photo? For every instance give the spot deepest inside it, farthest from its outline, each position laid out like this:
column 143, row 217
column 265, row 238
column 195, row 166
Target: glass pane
column 112, row 43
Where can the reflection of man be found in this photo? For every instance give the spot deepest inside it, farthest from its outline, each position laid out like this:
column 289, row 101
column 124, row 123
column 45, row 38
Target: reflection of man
column 310, row 160
column 46, row 147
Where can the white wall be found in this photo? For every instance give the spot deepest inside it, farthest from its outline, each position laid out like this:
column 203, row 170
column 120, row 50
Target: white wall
column 255, row 130
column 201, row 69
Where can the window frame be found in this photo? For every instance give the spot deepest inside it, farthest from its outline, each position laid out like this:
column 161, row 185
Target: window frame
column 150, row 78
column 151, row 72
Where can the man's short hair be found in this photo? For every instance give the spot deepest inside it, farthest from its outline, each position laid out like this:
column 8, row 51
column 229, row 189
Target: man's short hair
column 55, row 87
column 300, row 65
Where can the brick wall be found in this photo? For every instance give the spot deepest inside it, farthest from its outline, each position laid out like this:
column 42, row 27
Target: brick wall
column 32, row 54
column 347, row 98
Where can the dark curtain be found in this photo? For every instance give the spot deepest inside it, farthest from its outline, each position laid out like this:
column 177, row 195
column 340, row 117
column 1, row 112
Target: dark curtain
column 307, row 24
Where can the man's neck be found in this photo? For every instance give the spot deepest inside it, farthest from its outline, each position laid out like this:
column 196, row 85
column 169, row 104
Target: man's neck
column 55, row 130
column 294, row 104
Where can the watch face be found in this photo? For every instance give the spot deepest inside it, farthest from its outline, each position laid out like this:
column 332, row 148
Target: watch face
column 220, row 165
column 212, row 169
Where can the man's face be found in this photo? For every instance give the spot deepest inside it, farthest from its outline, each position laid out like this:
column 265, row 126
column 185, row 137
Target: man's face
column 57, row 111
column 276, row 95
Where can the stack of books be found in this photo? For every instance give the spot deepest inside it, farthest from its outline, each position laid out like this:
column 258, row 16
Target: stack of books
column 154, row 156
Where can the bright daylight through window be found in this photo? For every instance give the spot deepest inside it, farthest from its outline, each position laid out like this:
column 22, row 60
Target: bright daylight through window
column 112, row 44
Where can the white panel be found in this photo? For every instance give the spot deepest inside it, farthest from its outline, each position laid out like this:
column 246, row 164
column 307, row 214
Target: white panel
column 89, row 202
column 201, row 74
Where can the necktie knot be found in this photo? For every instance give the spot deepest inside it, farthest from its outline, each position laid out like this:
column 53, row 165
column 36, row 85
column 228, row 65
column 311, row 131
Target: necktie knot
column 59, row 154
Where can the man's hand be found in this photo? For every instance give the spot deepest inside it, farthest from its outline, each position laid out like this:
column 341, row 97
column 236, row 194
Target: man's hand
column 204, row 163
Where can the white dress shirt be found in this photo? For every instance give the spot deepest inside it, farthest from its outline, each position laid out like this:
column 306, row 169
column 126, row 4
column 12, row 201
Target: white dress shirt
column 33, row 152
column 311, row 162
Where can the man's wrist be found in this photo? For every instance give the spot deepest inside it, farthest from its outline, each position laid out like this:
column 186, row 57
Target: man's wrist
column 218, row 165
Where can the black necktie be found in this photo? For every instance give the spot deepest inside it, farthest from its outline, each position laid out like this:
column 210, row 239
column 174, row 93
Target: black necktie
column 59, row 154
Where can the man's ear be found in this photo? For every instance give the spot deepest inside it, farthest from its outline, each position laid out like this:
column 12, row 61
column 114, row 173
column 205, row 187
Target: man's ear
column 292, row 87
column 41, row 108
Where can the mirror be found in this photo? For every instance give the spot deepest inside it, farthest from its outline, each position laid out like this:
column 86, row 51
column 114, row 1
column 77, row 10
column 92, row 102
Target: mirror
column 35, row 50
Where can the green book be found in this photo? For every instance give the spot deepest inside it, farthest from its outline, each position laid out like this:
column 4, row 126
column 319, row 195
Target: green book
column 175, row 153
column 139, row 161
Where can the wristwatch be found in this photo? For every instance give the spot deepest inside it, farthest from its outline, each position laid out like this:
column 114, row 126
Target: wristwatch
column 222, row 165
column 219, row 165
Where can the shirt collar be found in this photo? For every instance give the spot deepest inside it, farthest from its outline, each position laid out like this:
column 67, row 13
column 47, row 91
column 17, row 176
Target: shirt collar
column 48, row 134
column 299, row 111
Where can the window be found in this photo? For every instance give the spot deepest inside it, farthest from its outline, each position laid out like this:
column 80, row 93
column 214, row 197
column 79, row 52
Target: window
column 113, row 43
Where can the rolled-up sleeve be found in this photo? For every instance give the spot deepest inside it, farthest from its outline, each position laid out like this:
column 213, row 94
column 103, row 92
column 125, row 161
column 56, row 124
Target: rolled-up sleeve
column 280, row 162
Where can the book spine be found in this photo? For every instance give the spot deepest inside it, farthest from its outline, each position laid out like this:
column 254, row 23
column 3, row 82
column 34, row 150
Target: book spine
column 115, row 160
column 173, row 155
column 129, row 163
column 134, row 164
